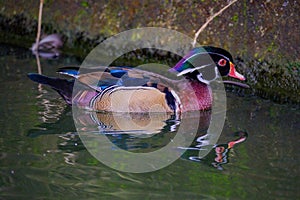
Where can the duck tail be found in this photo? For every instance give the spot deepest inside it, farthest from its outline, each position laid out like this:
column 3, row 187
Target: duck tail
column 62, row 86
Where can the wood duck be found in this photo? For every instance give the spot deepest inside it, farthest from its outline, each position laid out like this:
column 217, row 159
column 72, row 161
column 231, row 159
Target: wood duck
column 125, row 89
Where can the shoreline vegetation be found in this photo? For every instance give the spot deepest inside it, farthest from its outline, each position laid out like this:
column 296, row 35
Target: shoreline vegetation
column 263, row 36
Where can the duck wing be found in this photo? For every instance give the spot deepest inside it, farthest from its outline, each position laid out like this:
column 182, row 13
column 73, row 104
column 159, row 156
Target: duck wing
column 120, row 82
column 102, row 77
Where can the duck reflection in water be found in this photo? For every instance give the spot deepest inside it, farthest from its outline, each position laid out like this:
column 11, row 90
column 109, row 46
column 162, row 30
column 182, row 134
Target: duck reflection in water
column 147, row 133
column 142, row 133
column 220, row 153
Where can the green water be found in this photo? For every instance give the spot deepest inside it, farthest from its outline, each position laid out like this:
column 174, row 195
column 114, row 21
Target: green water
column 42, row 156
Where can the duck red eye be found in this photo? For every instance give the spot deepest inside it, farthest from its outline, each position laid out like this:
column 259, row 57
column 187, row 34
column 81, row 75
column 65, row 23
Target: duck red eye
column 222, row 62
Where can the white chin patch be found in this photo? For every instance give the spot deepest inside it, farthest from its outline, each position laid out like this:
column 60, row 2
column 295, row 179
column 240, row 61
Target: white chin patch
column 207, row 82
column 200, row 78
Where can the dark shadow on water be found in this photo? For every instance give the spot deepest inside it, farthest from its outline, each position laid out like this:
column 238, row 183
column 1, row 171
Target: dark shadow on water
column 64, row 124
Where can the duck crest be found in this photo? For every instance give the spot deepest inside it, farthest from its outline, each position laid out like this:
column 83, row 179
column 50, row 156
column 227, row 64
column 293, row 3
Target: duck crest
column 196, row 57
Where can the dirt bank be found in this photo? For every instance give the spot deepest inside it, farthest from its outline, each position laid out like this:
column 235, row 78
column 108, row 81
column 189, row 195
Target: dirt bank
column 262, row 35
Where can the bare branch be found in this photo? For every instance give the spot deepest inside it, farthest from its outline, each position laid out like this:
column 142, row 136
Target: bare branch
column 39, row 25
column 209, row 20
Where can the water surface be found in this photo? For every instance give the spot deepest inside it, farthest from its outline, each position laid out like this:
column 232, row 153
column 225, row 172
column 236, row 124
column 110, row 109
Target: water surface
column 42, row 155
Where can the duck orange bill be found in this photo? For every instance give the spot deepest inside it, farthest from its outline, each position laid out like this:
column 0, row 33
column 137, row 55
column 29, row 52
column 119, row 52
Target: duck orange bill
column 234, row 74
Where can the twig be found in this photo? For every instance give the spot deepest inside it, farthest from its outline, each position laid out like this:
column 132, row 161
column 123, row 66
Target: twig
column 209, row 20
column 39, row 25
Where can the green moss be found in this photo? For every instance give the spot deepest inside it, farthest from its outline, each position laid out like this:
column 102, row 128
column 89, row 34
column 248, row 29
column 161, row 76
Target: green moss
column 271, row 47
column 235, row 18
column 84, row 23
column 84, row 4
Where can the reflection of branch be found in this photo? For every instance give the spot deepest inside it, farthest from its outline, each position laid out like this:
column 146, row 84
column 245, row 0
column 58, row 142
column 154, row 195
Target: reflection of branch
column 38, row 35
column 39, row 25
column 38, row 63
column 209, row 20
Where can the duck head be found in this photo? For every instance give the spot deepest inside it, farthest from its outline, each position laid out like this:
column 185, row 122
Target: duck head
column 206, row 64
